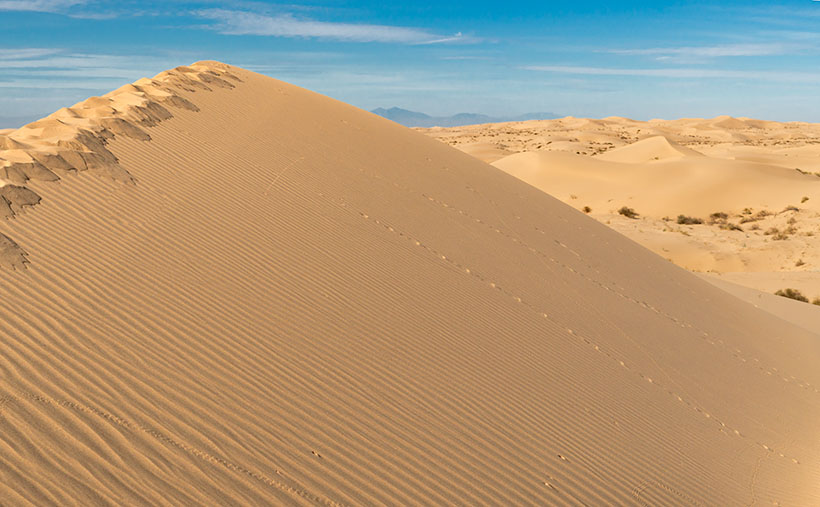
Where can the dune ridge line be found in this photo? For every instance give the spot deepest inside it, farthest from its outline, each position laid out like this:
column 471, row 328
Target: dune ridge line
column 74, row 139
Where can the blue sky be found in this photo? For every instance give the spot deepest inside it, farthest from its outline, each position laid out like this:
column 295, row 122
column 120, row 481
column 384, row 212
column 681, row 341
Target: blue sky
column 641, row 59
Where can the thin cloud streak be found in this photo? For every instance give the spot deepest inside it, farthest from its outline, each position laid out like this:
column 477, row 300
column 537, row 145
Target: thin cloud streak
column 709, row 51
column 230, row 22
column 39, row 5
column 764, row 75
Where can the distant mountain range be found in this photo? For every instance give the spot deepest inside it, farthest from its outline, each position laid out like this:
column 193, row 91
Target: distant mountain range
column 416, row 119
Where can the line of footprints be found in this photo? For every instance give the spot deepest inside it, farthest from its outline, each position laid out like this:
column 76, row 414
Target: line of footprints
column 721, row 426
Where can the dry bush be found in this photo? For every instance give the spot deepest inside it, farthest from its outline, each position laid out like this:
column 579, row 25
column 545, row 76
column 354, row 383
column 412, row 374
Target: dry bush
column 628, row 212
column 685, row 220
column 729, row 226
column 792, row 294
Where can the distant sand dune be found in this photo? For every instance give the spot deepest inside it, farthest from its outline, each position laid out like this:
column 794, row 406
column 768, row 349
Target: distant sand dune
column 298, row 302
column 736, row 196
column 649, row 150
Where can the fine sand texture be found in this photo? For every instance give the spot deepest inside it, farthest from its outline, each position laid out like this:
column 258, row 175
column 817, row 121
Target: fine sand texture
column 220, row 289
column 796, row 312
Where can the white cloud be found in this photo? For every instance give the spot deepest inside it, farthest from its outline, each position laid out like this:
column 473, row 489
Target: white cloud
column 286, row 25
column 38, row 5
column 683, row 73
column 25, row 53
column 708, row 51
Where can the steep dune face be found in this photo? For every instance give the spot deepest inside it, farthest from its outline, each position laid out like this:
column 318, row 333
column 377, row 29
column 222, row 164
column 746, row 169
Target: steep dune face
column 299, row 302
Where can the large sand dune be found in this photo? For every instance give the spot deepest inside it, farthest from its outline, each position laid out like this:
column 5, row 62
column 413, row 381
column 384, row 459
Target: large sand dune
column 241, row 292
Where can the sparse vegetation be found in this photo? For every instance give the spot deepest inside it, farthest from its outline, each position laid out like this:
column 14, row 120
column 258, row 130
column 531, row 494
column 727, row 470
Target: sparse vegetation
column 816, row 301
column 718, row 217
column 792, row 294
column 628, row 212
column 791, row 208
column 729, row 226
column 685, row 220
column 799, row 263
column 586, row 209
column 804, row 199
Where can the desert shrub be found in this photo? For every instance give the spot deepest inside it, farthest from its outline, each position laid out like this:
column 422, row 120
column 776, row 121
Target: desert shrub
column 628, row 212
column 685, row 220
column 587, row 209
column 815, row 301
column 718, row 217
column 771, row 231
column 754, row 227
column 791, row 208
column 780, row 236
column 792, row 294
column 804, row 199
column 799, row 263
column 747, row 211
column 729, row 226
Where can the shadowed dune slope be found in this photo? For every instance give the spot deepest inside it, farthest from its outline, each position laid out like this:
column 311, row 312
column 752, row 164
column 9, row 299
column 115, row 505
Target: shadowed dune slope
column 298, row 302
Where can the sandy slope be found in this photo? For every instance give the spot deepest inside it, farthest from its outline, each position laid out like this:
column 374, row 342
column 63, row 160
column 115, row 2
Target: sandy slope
column 789, row 310
column 284, row 299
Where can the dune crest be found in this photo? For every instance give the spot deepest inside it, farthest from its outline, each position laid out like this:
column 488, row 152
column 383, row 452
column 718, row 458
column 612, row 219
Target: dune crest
column 74, row 139
column 648, row 150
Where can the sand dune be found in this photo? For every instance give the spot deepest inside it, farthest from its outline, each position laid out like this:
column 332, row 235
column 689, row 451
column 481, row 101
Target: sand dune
column 691, row 185
column 649, row 150
column 242, row 292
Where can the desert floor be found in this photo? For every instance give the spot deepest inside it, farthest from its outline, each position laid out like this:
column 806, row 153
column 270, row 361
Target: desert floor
column 753, row 185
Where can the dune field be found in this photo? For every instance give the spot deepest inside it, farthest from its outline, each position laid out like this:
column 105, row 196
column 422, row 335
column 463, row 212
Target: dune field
column 222, row 289
column 734, row 197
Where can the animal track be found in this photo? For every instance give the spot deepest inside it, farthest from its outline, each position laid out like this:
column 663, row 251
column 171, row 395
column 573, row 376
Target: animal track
column 721, row 426
column 619, row 291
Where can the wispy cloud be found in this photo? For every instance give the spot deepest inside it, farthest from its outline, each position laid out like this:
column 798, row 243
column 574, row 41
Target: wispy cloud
column 23, row 54
column 682, row 73
column 39, row 5
column 708, row 51
column 231, row 22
